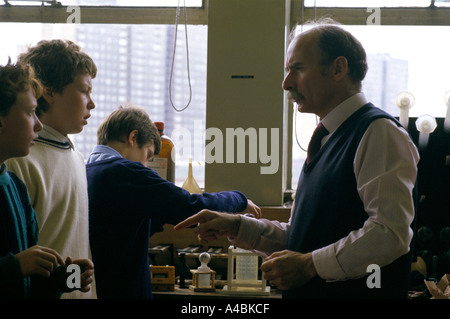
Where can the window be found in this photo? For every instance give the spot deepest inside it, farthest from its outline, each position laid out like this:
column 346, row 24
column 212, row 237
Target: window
column 400, row 58
column 120, row 3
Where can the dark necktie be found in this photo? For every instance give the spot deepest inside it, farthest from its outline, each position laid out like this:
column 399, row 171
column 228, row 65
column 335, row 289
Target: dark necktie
column 315, row 143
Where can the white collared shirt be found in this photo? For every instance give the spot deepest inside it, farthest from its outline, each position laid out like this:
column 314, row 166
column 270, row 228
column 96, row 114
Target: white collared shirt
column 340, row 113
column 385, row 168
column 52, row 137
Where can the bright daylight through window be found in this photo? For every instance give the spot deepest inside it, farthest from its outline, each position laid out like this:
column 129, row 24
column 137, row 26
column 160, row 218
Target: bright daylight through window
column 409, row 59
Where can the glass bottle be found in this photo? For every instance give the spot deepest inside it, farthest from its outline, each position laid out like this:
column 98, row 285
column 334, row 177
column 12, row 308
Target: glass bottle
column 164, row 163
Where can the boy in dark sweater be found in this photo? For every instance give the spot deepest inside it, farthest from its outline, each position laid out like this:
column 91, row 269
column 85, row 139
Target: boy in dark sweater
column 128, row 202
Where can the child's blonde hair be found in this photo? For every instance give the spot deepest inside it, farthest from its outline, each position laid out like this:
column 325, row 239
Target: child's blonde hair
column 14, row 79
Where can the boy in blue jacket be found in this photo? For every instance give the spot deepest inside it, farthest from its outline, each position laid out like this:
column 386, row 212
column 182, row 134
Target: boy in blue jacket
column 128, row 202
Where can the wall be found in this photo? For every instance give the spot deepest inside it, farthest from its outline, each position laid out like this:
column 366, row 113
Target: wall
column 245, row 72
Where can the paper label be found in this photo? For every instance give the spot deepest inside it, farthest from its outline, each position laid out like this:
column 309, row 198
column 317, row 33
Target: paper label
column 159, row 165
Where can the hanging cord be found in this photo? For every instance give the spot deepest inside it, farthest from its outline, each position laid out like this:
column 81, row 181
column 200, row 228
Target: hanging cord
column 296, row 115
column 187, row 58
column 295, row 130
column 295, row 109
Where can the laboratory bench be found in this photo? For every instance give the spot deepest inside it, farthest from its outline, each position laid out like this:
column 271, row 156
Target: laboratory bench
column 168, row 285
column 186, row 293
column 164, row 246
column 180, row 251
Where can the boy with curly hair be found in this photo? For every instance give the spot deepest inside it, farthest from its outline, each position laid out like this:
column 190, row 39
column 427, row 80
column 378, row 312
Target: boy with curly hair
column 54, row 171
column 27, row 270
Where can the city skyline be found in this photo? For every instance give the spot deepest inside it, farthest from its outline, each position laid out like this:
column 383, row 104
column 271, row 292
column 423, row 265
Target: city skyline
column 135, row 67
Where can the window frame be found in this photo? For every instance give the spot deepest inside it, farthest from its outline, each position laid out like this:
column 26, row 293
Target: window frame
column 97, row 14
column 420, row 16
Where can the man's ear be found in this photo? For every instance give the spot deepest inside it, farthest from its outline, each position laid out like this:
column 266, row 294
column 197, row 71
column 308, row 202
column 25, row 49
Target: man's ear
column 48, row 94
column 340, row 67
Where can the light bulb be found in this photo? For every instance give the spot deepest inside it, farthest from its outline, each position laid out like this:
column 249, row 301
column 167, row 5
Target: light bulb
column 425, row 124
column 404, row 101
column 447, row 116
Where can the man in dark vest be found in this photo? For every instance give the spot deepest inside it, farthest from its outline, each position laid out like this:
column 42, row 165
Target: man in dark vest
column 350, row 229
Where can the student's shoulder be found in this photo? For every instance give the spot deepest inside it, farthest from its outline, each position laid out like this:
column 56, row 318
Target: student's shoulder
column 13, row 176
column 19, row 166
column 117, row 163
column 15, row 179
column 38, row 154
column 36, row 160
column 122, row 170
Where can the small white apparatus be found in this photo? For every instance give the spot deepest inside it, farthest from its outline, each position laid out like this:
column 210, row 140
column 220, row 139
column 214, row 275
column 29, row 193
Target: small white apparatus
column 203, row 278
column 426, row 124
column 447, row 116
column 243, row 268
column 404, row 101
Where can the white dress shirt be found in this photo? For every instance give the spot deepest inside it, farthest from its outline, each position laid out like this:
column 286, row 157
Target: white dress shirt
column 385, row 168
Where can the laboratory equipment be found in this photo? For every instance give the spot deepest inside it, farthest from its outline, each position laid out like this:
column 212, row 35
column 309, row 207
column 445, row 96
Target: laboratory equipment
column 447, row 116
column 203, row 278
column 426, row 124
column 191, row 184
column 164, row 162
column 162, row 278
column 404, row 101
column 243, row 269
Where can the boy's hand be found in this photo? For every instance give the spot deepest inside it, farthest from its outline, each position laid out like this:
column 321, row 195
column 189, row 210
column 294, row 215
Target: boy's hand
column 87, row 271
column 252, row 209
column 38, row 260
